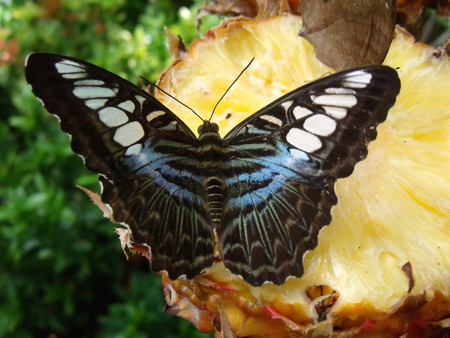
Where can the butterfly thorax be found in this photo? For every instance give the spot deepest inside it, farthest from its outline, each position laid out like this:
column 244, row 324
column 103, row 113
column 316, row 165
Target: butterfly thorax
column 212, row 164
column 210, row 148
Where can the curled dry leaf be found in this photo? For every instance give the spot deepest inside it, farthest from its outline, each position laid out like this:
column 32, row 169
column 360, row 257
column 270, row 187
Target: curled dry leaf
column 99, row 203
column 177, row 48
column 346, row 36
column 407, row 269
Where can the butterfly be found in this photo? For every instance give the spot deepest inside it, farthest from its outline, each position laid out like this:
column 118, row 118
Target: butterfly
column 258, row 196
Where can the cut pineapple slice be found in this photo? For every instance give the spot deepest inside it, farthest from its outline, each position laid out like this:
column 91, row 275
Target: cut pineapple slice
column 393, row 210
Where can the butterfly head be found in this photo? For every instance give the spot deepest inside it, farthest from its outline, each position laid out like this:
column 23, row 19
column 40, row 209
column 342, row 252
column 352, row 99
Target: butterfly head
column 207, row 127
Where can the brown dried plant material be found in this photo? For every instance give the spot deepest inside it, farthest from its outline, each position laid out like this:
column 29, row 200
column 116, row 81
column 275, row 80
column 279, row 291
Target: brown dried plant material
column 410, row 15
column 407, row 269
column 443, row 8
column 125, row 236
column 249, row 8
column 99, row 203
column 345, row 35
column 177, row 48
column 323, row 297
column 443, row 51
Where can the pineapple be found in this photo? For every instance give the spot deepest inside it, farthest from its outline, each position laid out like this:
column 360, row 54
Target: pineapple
column 382, row 267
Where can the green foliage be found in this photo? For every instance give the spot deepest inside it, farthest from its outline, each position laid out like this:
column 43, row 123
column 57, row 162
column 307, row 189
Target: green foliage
column 61, row 270
column 135, row 318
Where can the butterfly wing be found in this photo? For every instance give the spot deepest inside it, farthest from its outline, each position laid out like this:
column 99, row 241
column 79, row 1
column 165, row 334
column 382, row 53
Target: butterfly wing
column 284, row 161
column 145, row 156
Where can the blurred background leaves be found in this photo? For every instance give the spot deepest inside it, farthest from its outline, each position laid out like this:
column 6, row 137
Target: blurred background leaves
column 62, row 272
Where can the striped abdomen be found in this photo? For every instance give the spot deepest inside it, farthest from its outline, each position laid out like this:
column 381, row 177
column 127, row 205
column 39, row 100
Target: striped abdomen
column 214, row 196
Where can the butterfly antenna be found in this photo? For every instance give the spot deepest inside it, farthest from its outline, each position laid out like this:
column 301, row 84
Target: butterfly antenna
column 231, row 85
column 159, row 88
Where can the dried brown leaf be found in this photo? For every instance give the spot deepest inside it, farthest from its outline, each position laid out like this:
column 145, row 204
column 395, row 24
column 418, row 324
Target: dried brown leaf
column 345, row 35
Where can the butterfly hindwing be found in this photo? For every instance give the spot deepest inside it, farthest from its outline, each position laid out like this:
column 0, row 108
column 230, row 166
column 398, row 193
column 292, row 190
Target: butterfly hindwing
column 142, row 152
column 284, row 161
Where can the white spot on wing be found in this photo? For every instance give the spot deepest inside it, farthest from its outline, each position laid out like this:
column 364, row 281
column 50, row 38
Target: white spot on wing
column 95, row 103
column 339, row 91
column 70, row 69
column 67, row 66
column 127, row 105
column 89, row 82
column 286, row 105
column 129, row 133
column 299, row 154
column 301, row 112
column 303, row 140
column 171, row 126
column 140, row 99
column 134, row 149
column 153, row 115
column 346, row 101
column 72, row 76
column 357, row 79
column 321, row 125
column 73, row 63
column 112, row 116
column 272, row 119
column 87, row 92
column 350, row 84
column 360, row 76
column 336, row 112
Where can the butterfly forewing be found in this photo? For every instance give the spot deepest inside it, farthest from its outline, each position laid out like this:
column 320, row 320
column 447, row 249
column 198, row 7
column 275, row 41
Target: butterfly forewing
column 142, row 151
column 284, row 161
column 321, row 129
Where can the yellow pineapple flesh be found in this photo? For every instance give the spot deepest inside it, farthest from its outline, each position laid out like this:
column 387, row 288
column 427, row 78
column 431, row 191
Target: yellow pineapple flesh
column 393, row 211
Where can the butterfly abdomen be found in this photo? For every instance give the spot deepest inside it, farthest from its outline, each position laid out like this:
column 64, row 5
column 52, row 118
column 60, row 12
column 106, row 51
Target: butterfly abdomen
column 212, row 164
column 214, row 195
